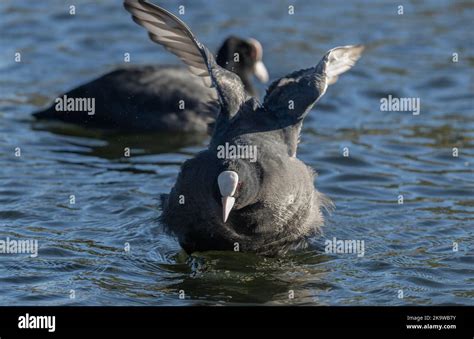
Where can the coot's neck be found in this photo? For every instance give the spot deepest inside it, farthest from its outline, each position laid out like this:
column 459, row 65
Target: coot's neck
column 249, row 88
column 245, row 76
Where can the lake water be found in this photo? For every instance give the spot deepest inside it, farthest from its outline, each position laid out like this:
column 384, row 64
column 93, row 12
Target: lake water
column 416, row 253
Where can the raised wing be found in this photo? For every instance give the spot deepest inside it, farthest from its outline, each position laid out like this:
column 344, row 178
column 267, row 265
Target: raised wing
column 291, row 97
column 169, row 31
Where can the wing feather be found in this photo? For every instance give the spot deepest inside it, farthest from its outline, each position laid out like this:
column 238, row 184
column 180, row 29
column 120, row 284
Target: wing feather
column 304, row 87
column 169, row 31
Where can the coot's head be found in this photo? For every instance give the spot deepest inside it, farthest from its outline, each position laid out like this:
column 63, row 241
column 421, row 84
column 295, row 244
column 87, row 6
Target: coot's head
column 238, row 185
column 243, row 57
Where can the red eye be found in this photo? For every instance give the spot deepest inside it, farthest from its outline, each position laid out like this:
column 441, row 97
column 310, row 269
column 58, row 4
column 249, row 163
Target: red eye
column 239, row 186
column 253, row 53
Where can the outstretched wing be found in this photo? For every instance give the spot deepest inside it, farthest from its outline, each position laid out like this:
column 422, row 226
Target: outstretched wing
column 292, row 96
column 169, row 31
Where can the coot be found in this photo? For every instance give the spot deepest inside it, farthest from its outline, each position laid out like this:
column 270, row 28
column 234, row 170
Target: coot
column 157, row 98
column 247, row 191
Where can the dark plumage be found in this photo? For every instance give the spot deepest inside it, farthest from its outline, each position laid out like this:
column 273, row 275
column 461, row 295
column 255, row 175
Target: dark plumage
column 266, row 206
column 147, row 98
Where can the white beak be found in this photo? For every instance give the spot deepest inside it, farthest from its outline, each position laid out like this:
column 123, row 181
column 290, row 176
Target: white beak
column 227, row 204
column 227, row 182
column 261, row 72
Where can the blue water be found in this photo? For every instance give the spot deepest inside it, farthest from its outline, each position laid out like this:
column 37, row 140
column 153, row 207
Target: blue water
column 408, row 247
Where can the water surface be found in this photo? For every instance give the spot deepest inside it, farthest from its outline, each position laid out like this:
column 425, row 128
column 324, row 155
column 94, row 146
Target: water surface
column 408, row 247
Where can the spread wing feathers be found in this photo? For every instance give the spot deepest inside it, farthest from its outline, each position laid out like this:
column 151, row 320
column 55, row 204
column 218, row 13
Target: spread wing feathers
column 340, row 60
column 169, row 31
column 293, row 95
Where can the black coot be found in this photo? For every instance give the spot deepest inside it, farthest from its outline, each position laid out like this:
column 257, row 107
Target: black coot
column 248, row 190
column 159, row 98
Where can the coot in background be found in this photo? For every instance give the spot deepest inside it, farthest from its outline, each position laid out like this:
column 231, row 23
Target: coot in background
column 160, row 98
